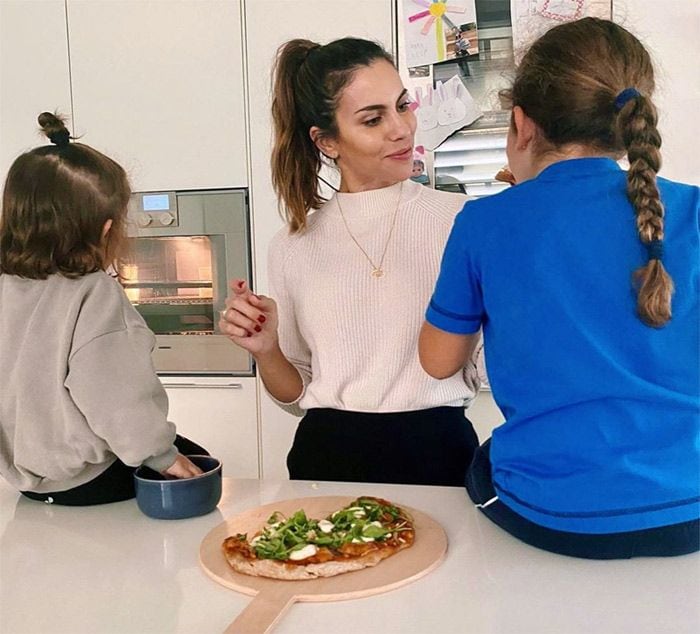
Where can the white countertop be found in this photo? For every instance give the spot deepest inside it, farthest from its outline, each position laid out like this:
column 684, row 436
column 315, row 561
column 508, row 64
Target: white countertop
column 111, row 569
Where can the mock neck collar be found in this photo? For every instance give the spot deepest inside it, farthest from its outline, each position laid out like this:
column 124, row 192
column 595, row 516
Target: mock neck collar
column 376, row 202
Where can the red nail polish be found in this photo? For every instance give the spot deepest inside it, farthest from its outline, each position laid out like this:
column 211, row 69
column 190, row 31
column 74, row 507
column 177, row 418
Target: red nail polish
column 258, row 328
column 262, row 319
column 240, row 284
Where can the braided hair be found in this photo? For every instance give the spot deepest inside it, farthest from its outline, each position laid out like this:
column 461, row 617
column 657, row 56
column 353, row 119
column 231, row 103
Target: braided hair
column 590, row 82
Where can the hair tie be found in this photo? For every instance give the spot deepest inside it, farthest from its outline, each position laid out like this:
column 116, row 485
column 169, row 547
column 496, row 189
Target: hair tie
column 310, row 50
column 626, row 95
column 60, row 138
column 655, row 249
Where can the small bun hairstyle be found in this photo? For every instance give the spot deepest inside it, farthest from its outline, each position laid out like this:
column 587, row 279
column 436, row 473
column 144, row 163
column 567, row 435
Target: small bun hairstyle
column 54, row 128
column 56, row 203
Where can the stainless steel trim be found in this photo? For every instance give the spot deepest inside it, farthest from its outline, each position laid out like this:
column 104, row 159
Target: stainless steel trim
column 215, row 382
column 234, row 386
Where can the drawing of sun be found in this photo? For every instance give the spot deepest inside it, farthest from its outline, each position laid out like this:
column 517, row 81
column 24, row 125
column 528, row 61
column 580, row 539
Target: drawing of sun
column 435, row 11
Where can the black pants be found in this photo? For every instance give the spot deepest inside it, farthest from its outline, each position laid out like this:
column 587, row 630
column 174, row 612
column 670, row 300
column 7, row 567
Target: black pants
column 665, row 541
column 433, row 446
column 114, row 484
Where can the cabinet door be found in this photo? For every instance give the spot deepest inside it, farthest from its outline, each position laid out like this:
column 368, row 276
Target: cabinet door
column 484, row 414
column 269, row 23
column 220, row 414
column 33, row 73
column 159, row 87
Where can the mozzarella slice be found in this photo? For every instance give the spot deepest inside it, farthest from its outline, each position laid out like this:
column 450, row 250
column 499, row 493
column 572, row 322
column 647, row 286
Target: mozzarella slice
column 303, row 553
column 325, row 526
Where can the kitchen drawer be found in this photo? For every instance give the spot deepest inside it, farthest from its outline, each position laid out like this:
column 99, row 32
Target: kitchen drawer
column 219, row 413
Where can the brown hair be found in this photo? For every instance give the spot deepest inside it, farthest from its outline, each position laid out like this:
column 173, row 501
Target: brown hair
column 567, row 83
column 307, row 82
column 56, row 201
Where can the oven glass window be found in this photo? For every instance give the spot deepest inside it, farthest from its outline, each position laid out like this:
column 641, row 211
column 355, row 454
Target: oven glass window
column 170, row 281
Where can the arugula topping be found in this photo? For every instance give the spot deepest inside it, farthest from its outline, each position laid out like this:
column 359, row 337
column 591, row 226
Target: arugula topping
column 364, row 520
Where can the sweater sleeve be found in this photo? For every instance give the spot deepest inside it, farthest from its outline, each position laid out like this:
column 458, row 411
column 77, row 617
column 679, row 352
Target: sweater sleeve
column 112, row 381
column 291, row 341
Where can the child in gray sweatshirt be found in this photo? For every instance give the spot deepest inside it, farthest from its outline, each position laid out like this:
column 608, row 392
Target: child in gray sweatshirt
column 80, row 403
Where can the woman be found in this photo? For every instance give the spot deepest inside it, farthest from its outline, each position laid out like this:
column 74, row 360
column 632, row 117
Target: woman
column 598, row 456
column 350, row 280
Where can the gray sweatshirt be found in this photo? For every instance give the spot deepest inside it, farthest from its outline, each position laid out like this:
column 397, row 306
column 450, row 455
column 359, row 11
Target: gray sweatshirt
column 77, row 384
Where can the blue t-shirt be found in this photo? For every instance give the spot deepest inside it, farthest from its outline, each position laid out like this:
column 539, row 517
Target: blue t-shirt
column 602, row 412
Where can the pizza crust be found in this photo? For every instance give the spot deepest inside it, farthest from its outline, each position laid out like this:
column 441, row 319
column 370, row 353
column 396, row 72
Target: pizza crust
column 505, row 176
column 275, row 569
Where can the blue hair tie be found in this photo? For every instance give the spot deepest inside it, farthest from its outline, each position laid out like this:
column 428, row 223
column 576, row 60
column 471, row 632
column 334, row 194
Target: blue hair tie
column 626, row 95
column 655, row 249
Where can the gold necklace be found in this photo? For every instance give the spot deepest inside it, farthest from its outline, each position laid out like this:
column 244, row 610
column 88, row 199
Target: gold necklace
column 377, row 270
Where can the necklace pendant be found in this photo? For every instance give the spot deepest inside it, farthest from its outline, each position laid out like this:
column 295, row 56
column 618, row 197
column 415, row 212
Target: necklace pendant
column 377, row 272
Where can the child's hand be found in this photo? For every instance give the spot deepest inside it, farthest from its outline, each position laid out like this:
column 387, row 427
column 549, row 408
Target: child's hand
column 249, row 320
column 182, row 468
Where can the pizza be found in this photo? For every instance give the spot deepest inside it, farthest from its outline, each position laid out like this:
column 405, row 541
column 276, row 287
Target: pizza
column 505, row 176
column 360, row 535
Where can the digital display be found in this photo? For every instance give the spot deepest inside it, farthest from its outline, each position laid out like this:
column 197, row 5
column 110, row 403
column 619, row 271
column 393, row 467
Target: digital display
column 156, row 202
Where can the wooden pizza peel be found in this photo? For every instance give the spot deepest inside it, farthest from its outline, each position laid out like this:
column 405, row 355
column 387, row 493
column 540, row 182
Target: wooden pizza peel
column 272, row 597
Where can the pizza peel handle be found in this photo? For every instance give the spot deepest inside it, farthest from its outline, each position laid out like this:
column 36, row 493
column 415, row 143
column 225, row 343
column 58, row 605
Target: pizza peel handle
column 264, row 610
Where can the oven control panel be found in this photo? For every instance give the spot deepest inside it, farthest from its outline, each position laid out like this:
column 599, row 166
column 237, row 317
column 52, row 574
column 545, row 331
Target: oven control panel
column 155, row 209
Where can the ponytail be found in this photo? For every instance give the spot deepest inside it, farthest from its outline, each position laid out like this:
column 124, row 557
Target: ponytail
column 295, row 159
column 637, row 129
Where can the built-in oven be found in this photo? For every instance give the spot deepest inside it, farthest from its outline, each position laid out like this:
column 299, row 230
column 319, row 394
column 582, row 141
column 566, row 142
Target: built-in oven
column 184, row 247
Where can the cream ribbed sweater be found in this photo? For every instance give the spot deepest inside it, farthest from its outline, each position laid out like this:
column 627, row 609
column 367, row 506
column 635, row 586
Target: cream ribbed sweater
column 353, row 337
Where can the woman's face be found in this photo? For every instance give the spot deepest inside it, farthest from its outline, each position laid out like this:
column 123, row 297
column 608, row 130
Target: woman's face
column 374, row 144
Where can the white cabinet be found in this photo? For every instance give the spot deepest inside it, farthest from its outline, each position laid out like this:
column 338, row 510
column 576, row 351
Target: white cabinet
column 484, row 414
column 159, row 87
column 220, row 414
column 320, row 21
column 33, row 73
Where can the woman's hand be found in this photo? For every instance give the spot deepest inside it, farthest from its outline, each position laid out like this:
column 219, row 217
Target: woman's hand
column 250, row 320
column 182, row 468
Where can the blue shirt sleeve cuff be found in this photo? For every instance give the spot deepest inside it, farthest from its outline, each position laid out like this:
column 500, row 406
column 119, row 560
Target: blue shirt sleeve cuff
column 452, row 322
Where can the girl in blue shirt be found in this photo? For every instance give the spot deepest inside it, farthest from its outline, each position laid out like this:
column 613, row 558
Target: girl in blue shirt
column 584, row 279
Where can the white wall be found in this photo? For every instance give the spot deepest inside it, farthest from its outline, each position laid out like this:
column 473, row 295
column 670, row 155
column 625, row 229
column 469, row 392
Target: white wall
column 33, row 34
column 671, row 32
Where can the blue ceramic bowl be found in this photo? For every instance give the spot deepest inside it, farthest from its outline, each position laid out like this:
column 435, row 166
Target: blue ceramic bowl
column 166, row 499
